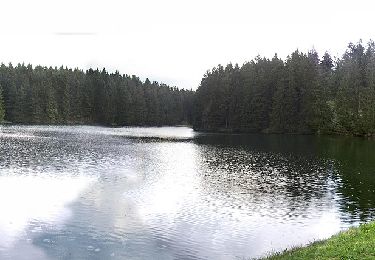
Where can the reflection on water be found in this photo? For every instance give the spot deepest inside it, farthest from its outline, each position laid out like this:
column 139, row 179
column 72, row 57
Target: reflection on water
column 24, row 199
column 169, row 193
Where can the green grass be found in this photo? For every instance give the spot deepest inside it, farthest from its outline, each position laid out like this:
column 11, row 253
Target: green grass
column 355, row 243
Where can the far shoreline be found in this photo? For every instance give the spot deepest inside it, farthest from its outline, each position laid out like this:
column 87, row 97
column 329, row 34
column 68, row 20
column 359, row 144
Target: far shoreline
column 229, row 131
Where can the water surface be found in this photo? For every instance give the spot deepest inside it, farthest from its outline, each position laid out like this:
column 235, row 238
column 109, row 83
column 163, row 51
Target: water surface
column 83, row 192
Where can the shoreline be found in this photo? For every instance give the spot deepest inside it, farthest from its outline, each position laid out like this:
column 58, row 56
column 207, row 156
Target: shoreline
column 267, row 132
column 202, row 130
column 354, row 243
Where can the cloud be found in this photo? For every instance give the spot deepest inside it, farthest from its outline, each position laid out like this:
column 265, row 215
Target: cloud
column 175, row 41
column 75, row 33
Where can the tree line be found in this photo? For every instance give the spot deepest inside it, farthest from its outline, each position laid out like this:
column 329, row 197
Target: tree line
column 303, row 94
column 46, row 95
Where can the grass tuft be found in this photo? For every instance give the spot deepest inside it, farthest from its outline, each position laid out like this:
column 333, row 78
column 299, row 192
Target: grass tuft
column 355, row 243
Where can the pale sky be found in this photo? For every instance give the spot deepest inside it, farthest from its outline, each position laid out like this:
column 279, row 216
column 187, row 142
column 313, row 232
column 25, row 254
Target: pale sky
column 175, row 41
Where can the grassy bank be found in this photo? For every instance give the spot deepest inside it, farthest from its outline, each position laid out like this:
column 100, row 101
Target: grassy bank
column 355, row 243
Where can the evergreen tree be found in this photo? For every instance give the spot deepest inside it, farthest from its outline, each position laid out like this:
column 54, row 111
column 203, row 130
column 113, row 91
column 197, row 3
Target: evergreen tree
column 304, row 94
column 44, row 95
column 2, row 109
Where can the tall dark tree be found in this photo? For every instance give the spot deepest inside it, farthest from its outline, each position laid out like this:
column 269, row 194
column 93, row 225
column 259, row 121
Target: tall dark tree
column 304, row 94
column 44, row 95
column 2, row 109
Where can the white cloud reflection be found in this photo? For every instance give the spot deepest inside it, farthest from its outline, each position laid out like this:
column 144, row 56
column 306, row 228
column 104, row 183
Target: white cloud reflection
column 25, row 199
column 178, row 207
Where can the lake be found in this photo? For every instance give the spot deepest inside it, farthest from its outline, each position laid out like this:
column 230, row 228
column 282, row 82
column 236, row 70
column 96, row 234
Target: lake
column 80, row 192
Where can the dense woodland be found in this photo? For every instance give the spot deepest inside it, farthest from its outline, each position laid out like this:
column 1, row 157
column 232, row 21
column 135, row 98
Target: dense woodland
column 44, row 95
column 303, row 94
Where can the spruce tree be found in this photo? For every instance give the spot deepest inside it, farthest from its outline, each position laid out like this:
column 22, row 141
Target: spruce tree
column 2, row 108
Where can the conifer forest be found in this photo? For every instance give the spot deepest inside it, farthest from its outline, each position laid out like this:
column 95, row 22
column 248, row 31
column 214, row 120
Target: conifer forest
column 305, row 93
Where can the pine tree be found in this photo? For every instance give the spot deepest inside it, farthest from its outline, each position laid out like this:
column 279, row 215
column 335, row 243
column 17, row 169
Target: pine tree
column 2, row 108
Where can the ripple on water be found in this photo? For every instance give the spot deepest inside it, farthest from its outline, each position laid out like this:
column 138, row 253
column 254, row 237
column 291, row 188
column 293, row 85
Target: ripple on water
column 88, row 192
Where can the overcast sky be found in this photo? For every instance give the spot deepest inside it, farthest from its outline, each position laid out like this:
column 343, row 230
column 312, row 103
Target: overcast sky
column 174, row 41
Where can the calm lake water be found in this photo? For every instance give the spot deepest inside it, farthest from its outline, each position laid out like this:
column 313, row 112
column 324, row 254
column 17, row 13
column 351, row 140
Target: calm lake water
column 171, row 193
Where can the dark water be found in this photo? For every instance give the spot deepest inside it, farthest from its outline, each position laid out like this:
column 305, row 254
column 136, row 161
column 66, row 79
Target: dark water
column 170, row 193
